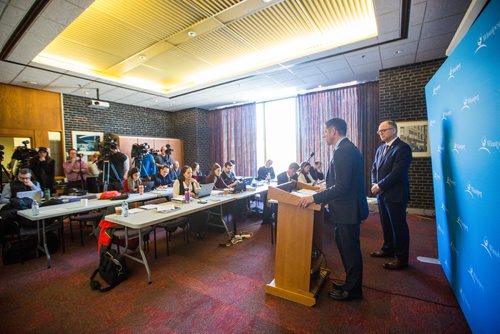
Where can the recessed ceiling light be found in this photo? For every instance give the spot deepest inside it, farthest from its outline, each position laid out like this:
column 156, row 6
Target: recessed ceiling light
column 142, row 57
column 191, row 34
column 398, row 51
column 266, row 1
column 31, row 82
column 363, row 56
column 156, row 100
column 86, row 92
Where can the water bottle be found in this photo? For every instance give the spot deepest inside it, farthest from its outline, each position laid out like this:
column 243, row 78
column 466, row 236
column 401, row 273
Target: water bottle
column 186, row 196
column 124, row 209
column 47, row 194
column 268, row 177
column 35, row 208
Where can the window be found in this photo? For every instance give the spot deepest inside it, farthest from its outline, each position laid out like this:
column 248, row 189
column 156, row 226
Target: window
column 277, row 133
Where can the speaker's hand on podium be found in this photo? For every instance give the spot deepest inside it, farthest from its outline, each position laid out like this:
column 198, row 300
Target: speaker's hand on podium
column 305, row 201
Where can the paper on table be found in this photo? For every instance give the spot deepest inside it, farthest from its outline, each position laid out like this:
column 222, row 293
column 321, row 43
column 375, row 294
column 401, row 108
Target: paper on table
column 166, row 208
column 135, row 210
column 178, row 198
column 307, row 191
column 148, row 206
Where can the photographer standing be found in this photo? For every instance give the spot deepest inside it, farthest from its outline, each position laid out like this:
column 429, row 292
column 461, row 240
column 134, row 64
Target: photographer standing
column 164, row 158
column 147, row 166
column 43, row 169
column 119, row 165
column 93, row 173
column 74, row 169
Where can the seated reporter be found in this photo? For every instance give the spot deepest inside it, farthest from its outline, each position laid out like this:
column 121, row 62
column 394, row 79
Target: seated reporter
column 290, row 174
column 163, row 178
column 304, row 174
column 266, row 172
column 133, row 181
column 186, row 182
column 228, row 175
column 216, row 179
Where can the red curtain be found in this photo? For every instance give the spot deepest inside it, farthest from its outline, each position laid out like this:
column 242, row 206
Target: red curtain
column 233, row 137
column 357, row 105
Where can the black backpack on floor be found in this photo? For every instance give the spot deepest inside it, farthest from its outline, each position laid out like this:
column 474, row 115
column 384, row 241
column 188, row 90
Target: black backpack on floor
column 112, row 269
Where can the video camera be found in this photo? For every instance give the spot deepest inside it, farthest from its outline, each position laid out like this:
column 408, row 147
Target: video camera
column 169, row 150
column 24, row 154
column 105, row 147
column 139, row 151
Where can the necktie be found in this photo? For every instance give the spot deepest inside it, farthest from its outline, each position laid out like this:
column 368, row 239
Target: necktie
column 386, row 148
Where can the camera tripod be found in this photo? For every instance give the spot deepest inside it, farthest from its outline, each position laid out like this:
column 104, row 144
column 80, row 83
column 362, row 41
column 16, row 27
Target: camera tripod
column 106, row 167
column 7, row 174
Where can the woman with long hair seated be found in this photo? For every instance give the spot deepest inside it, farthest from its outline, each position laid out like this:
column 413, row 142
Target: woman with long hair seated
column 304, row 175
column 216, row 179
column 133, row 181
column 186, row 182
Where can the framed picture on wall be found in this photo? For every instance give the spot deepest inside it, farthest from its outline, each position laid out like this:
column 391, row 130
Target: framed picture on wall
column 416, row 134
column 86, row 142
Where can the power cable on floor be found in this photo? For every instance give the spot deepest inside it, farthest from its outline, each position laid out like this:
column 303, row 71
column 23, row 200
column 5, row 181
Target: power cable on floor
column 338, row 281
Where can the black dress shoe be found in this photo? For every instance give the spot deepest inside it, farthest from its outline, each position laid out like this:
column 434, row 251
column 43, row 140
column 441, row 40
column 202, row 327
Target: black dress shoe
column 337, row 287
column 344, row 295
column 395, row 265
column 381, row 254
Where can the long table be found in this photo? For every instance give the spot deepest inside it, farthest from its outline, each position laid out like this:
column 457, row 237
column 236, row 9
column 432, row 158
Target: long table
column 142, row 220
column 66, row 209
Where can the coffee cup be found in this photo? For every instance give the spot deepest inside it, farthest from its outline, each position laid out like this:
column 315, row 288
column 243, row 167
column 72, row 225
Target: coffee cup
column 118, row 210
column 226, row 191
column 141, row 190
column 84, row 201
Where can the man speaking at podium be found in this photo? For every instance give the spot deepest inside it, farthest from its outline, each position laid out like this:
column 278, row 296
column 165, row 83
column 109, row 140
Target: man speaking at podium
column 345, row 195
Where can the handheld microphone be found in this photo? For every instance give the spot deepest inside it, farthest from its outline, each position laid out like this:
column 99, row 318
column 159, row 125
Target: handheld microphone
column 312, row 154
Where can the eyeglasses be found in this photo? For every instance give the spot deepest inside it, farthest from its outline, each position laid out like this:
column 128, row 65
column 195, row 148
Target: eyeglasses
column 24, row 178
column 383, row 130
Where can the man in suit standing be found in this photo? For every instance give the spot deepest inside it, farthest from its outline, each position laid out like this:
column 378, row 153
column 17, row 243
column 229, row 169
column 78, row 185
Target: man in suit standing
column 390, row 182
column 346, row 199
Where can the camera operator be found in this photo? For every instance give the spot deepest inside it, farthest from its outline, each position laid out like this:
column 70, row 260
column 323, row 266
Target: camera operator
column 145, row 162
column 43, row 169
column 93, row 173
column 164, row 158
column 120, row 165
column 75, row 169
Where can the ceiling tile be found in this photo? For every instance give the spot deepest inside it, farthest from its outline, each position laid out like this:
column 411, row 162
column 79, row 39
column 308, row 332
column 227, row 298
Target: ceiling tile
column 9, row 72
column 441, row 26
column 437, row 9
column 27, row 49
column 62, row 12
column 12, row 16
column 66, row 84
column 42, row 77
column 431, row 54
column 386, row 6
column 398, row 61
column 417, row 12
column 5, row 32
column 367, row 56
column 46, row 28
column 435, row 42
column 389, row 22
column 81, row 3
column 22, row 4
column 368, row 67
column 404, row 49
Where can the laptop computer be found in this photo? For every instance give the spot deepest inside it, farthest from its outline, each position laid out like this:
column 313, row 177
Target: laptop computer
column 247, row 180
column 205, row 190
column 35, row 195
column 148, row 186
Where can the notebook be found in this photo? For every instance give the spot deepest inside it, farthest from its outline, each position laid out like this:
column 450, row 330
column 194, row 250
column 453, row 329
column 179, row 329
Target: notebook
column 205, row 190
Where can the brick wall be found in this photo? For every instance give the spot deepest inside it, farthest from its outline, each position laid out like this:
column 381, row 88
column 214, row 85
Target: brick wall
column 191, row 126
column 402, row 98
column 122, row 119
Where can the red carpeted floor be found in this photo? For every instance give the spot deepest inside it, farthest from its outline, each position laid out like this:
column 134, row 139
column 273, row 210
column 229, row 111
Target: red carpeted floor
column 203, row 288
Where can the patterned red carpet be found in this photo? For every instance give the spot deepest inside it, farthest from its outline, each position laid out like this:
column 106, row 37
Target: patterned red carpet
column 203, row 288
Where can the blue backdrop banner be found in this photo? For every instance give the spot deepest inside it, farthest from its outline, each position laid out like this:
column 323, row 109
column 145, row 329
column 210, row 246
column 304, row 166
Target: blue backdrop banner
column 464, row 125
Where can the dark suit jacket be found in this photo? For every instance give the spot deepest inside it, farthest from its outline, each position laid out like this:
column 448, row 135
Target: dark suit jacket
column 390, row 172
column 345, row 193
column 283, row 178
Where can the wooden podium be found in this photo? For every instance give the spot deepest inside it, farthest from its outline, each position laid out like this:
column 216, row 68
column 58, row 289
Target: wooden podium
column 296, row 232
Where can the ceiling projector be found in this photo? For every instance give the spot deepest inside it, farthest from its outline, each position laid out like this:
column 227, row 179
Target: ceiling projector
column 98, row 104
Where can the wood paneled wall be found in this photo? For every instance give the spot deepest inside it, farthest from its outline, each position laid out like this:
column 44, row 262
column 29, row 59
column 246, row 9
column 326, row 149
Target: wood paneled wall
column 26, row 112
